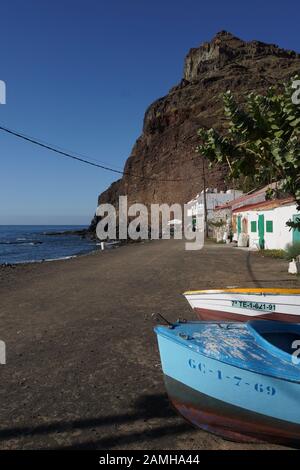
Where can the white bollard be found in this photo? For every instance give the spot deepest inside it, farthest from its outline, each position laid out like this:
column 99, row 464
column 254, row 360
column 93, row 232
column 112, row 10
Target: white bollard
column 102, row 246
column 293, row 268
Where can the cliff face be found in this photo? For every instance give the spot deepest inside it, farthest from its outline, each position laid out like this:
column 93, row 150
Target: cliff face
column 166, row 148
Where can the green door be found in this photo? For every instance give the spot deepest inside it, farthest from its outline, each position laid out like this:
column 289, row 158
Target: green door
column 296, row 232
column 239, row 224
column 261, row 231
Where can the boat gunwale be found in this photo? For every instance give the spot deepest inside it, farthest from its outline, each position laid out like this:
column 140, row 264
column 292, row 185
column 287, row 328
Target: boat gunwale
column 222, row 299
column 246, row 291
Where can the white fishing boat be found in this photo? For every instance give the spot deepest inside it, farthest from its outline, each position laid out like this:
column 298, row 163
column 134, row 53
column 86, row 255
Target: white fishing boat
column 246, row 304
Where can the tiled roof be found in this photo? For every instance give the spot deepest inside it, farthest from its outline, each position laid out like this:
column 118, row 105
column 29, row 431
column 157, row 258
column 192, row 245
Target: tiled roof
column 265, row 205
column 242, row 201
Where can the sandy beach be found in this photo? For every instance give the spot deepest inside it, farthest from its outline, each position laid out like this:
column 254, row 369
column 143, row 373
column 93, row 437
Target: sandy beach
column 83, row 369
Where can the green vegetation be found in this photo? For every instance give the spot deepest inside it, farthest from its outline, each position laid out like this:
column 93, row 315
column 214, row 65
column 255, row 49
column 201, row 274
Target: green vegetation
column 216, row 223
column 292, row 251
column 262, row 141
column 281, row 254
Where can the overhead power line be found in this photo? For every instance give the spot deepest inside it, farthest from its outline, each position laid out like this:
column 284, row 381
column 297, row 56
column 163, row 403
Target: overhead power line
column 94, row 163
column 57, row 150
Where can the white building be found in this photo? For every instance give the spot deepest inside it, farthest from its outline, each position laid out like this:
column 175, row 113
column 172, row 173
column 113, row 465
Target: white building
column 265, row 223
column 224, row 223
column 214, row 198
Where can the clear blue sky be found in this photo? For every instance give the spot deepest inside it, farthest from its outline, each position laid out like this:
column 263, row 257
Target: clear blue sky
column 80, row 75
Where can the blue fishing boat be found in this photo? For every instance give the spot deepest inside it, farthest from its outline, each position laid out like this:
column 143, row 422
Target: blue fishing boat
column 237, row 380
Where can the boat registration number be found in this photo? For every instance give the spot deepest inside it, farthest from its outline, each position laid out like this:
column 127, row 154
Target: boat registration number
column 232, row 379
column 254, row 305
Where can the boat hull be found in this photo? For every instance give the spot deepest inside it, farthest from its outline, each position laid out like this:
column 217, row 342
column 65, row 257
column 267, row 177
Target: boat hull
column 244, row 305
column 219, row 315
column 233, row 402
column 229, row 421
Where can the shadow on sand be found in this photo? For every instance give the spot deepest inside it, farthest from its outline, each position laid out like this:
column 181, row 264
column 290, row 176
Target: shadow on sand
column 146, row 407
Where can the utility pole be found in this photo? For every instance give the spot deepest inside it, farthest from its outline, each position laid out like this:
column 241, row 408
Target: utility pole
column 204, row 198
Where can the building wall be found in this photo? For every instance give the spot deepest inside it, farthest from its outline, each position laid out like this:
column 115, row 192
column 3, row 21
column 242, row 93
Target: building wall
column 253, row 236
column 213, row 199
column 281, row 236
column 221, row 215
column 244, row 223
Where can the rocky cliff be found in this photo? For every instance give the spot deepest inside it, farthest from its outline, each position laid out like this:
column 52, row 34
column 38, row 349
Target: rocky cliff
column 165, row 152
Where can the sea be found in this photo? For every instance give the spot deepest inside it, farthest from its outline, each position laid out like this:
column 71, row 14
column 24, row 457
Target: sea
column 33, row 243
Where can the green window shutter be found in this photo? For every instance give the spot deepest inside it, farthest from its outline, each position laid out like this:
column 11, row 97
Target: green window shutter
column 269, row 226
column 239, row 224
column 296, row 231
column 253, row 226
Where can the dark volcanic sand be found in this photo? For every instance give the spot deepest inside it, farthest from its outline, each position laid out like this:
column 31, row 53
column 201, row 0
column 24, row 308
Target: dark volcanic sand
column 83, row 369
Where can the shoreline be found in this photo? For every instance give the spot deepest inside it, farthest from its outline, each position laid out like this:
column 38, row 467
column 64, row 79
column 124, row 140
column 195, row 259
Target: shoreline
column 8, row 265
column 109, row 246
column 82, row 233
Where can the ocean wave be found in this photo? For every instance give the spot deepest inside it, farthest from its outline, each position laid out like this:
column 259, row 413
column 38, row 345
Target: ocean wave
column 30, row 261
column 22, row 242
column 61, row 258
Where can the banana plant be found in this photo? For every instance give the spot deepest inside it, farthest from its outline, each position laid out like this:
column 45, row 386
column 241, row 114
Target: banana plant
column 261, row 142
